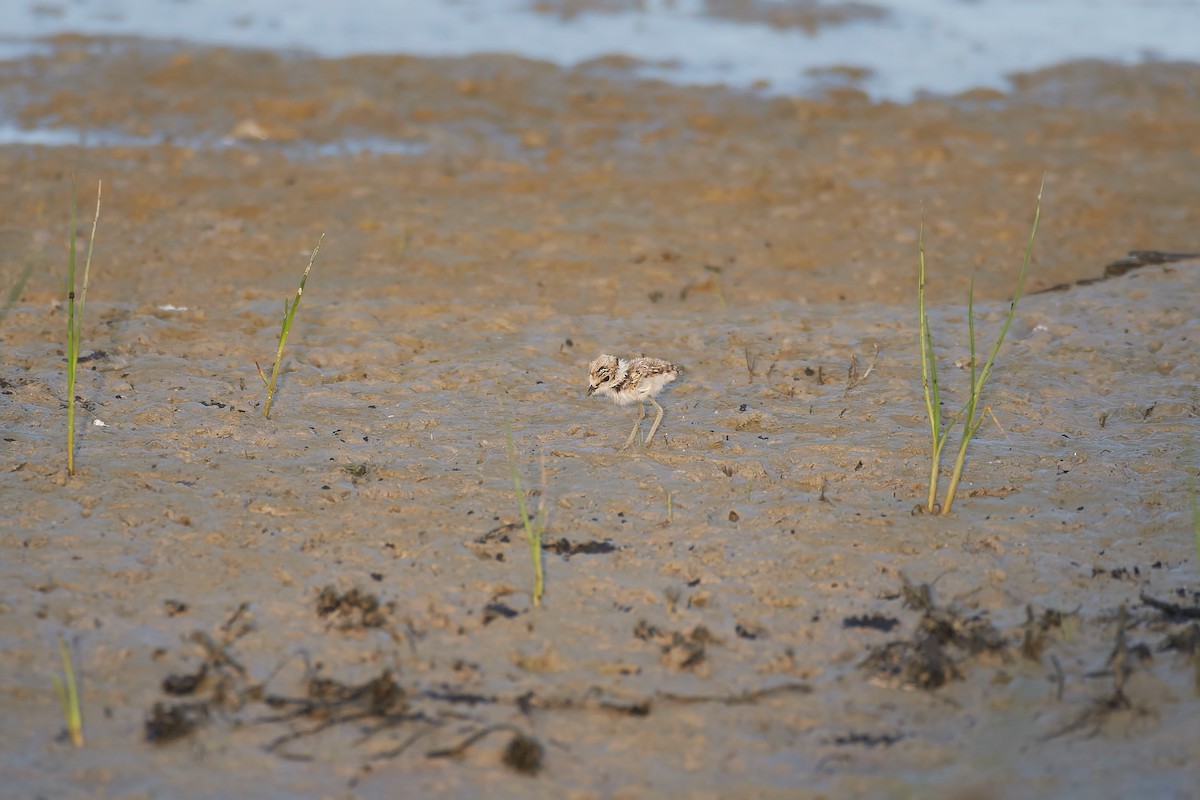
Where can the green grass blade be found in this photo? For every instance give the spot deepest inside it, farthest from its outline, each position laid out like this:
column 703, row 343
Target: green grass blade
column 87, row 262
column 14, row 294
column 1196, row 518
column 289, row 314
column 72, row 341
column 68, row 695
column 75, row 316
column 1012, row 308
column 533, row 534
column 978, row 380
column 971, row 407
column 928, row 370
column 1195, row 510
column 926, row 343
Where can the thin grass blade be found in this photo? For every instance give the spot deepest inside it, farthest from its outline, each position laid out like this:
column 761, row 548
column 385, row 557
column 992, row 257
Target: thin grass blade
column 1012, row 308
column 87, row 263
column 979, row 380
column 532, row 534
column 72, row 341
column 68, row 695
column 14, row 294
column 289, row 314
column 929, row 380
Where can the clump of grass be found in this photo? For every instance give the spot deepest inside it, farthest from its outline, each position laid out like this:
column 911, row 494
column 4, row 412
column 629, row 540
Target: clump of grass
column 75, row 319
column 971, row 414
column 289, row 314
column 68, row 695
column 534, row 527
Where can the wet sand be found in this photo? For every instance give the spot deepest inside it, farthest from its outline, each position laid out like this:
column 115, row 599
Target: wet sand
column 335, row 601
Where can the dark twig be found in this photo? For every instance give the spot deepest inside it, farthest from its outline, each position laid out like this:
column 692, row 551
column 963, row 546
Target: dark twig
column 1102, row 708
column 1060, row 678
column 462, row 747
column 407, row 743
column 742, row 698
column 1171, row 609
column 292, row 736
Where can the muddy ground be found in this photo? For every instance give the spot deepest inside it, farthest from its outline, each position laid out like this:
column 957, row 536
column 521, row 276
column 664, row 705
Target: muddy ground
column 335, row 602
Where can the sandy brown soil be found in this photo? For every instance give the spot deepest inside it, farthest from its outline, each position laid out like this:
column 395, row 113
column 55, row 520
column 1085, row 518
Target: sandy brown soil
column 334, row 602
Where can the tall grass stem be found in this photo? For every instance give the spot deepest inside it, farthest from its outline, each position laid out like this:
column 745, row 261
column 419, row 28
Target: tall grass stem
column 534, row 528
column 289, row 314
column 68, row 695
column 970, row 414
column 75, row 317
column 972, row 422
column 929, row 382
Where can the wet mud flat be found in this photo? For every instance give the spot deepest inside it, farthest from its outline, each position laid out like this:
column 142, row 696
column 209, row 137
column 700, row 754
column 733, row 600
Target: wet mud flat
column 335, row 601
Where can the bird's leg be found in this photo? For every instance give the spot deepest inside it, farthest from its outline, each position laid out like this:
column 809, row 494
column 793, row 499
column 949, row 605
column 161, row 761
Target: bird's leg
column 636, row 425
column 657, row 420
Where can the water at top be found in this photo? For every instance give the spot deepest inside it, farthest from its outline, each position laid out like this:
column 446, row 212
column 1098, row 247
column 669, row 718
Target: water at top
column 907, row 46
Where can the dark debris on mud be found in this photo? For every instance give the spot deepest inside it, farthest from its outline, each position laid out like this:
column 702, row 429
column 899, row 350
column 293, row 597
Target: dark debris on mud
column 1126, row 658
column 566, row 548
column 947, row 641
column 1120, row 665
column 678, row 650
column 220, row 682
column 934, row 656
column 353, row 609
column 485, row 546
column 389, row 716
column 869, row 740
column 874, row 622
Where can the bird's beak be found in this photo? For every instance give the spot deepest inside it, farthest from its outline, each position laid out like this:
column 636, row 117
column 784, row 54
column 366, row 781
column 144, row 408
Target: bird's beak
column 591, row 391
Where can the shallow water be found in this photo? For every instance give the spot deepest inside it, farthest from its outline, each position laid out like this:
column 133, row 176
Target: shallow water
column 905, row 47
